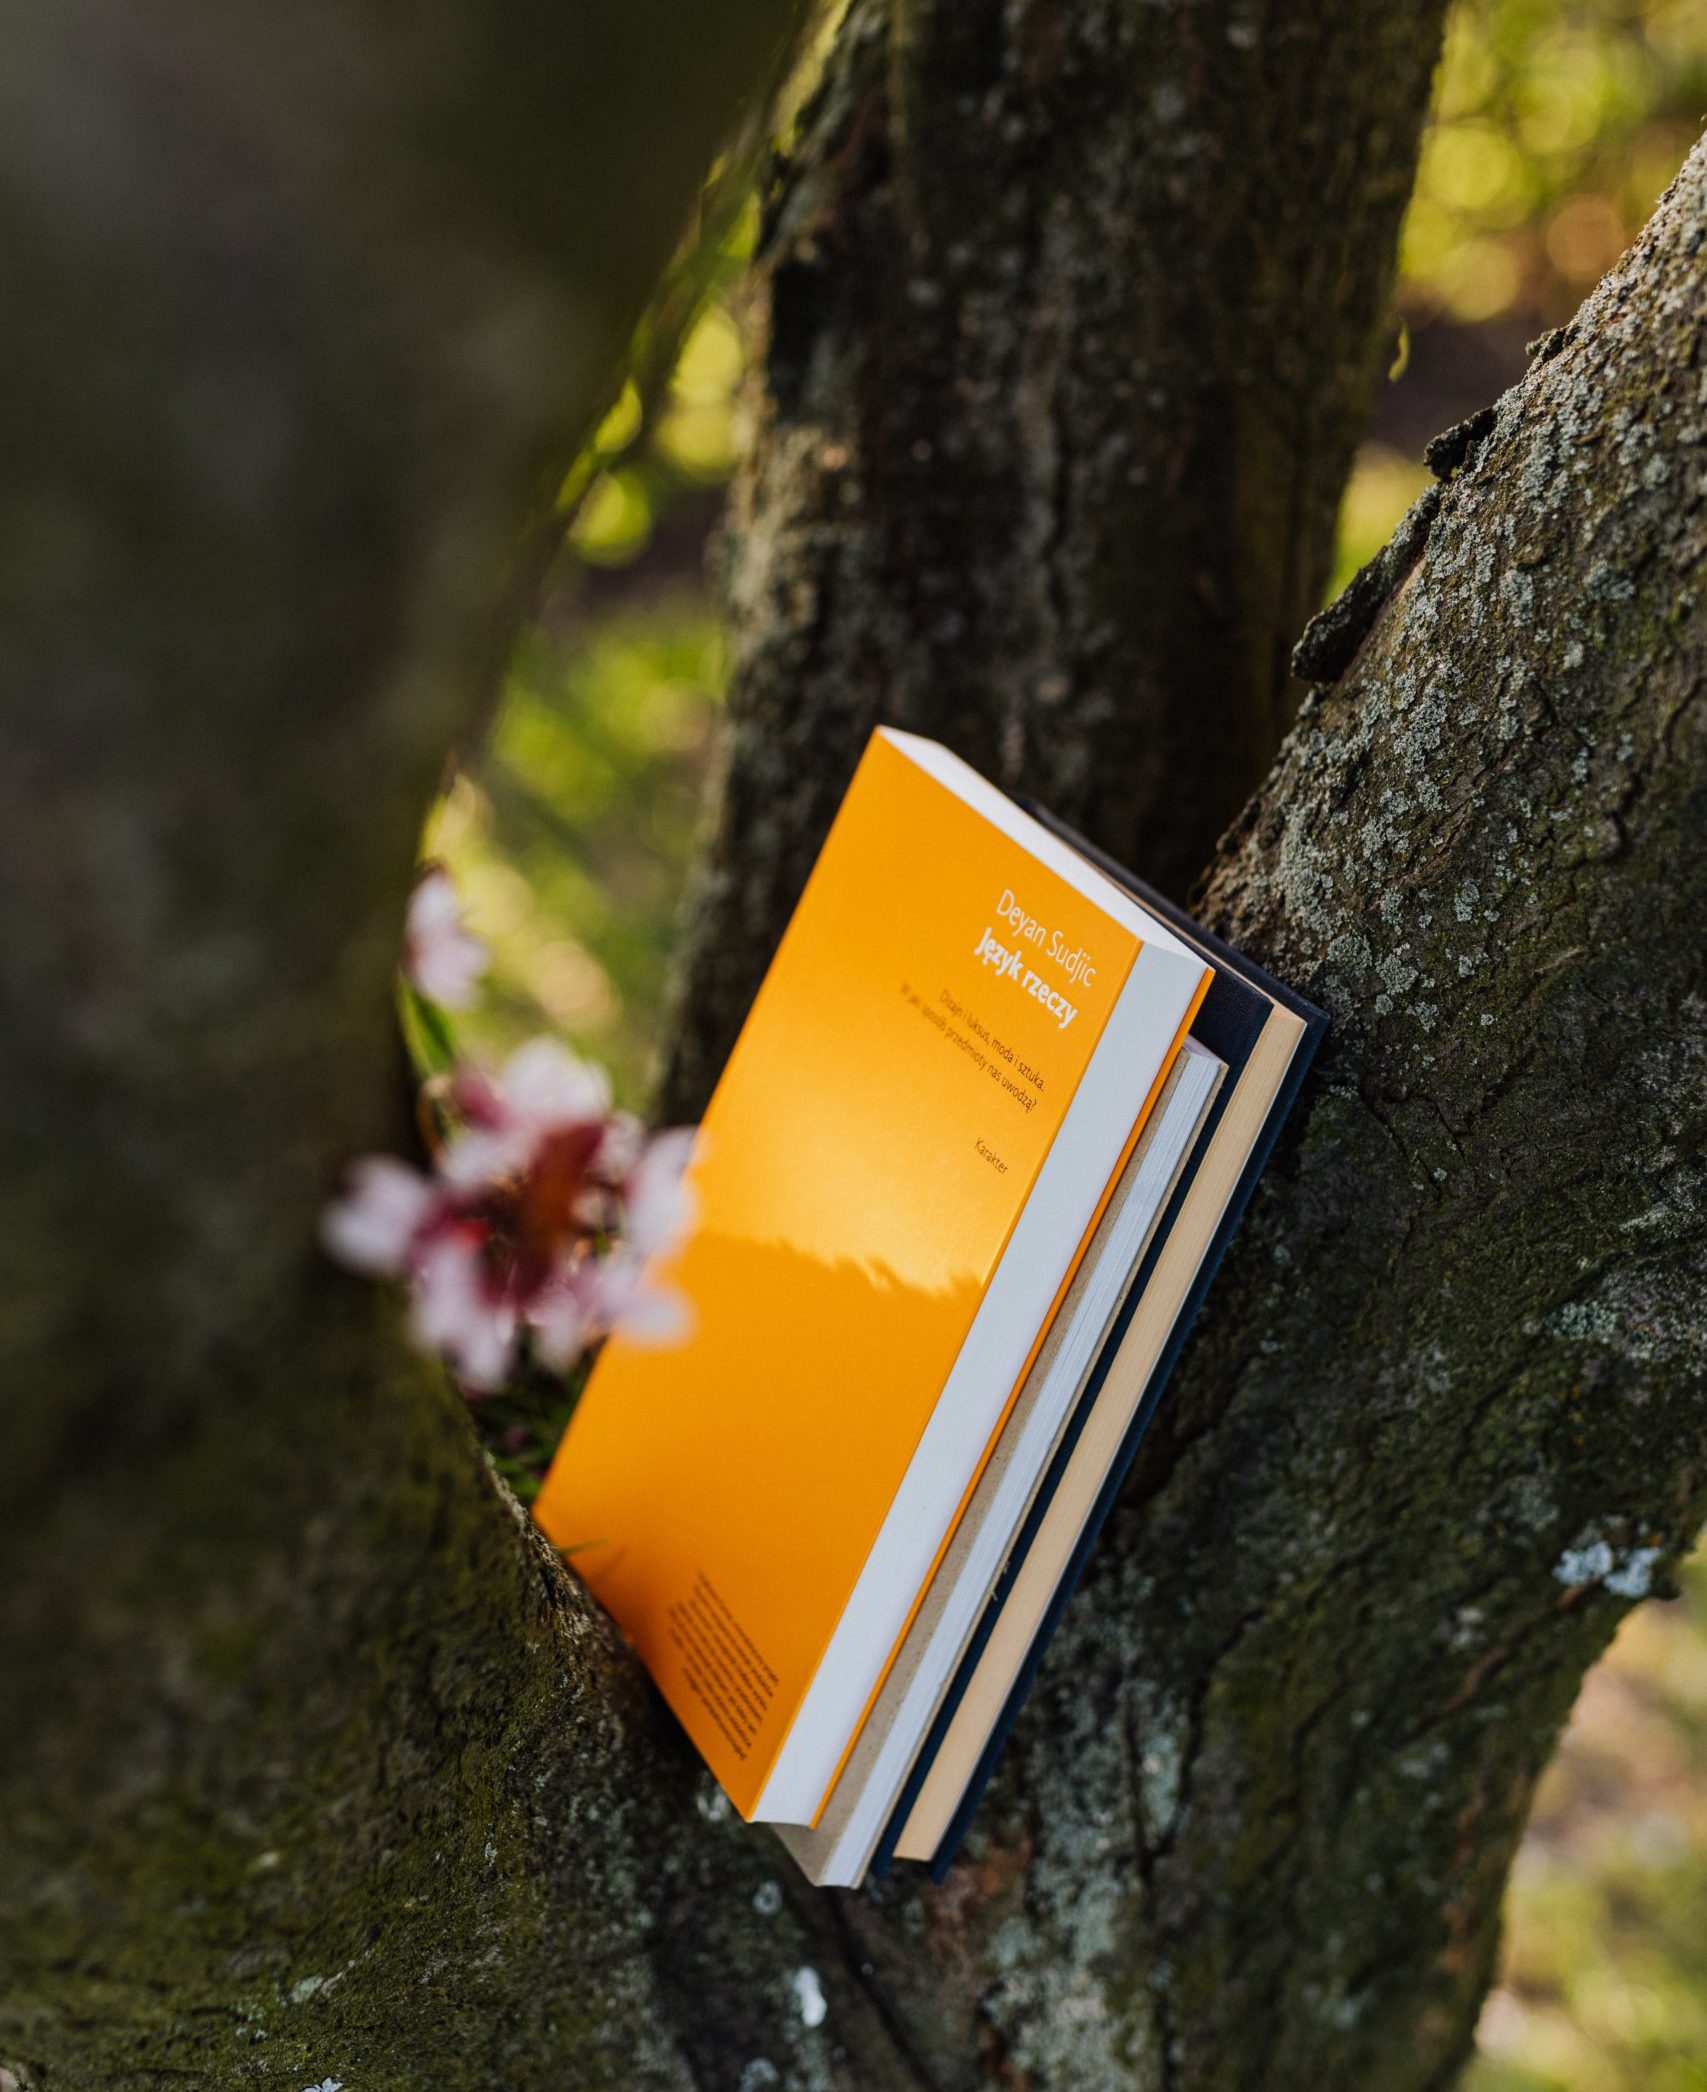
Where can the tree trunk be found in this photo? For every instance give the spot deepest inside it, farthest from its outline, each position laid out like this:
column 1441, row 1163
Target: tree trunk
column 303, row 1744
column 315, row 1766
column 1071, row 316
column 1445, row 1419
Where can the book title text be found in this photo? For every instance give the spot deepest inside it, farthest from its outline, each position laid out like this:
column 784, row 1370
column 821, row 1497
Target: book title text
column 1008, row 961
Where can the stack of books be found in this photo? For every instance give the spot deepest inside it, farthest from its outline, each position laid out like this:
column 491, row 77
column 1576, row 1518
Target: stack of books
column 960, row 1192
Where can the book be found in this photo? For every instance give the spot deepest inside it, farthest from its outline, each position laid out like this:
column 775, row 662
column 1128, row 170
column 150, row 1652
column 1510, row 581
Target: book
column 962, row 1188
column 1263, row 1037
column 962, row 1037
column 840, row 1848
column 1268, row 1036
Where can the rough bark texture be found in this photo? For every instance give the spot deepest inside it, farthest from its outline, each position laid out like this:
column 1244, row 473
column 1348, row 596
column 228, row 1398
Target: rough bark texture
column 1070, row 319
column 313, row 1766
column 1446, row 1417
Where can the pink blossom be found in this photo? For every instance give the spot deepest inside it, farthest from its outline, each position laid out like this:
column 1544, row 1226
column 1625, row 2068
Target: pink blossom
column 440, row 956
column 542, row 1090
column 543, row 1219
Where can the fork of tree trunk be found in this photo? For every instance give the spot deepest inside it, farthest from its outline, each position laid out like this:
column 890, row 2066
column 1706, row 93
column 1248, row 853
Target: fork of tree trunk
column 315, row 1765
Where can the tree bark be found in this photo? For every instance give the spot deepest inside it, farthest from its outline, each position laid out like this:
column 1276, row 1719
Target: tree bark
column 315, row 1766
column 1070, row 318
column 1445, row 1420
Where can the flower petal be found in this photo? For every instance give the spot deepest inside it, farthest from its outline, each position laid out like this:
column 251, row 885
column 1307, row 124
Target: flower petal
column 546, row 1085
column 482, row 1156
column 621, row 1148
column 621, row 1297
column 659, row 1203
column 372, row 1228
column 439, row 955
column 655, row 1314
column 561, row 1325
column 455, row 1313
column 433, row 906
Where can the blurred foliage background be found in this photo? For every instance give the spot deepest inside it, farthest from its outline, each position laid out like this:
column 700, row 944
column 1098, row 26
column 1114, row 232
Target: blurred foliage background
column 1556, row 127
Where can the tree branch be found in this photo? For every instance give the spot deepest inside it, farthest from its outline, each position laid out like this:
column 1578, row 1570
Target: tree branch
column 303, row 313
column 1071, row 317
column 315, row 1764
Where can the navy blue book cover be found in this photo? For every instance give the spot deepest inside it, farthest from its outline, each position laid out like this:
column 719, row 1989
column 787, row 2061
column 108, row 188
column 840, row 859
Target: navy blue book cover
column 1228, row 1024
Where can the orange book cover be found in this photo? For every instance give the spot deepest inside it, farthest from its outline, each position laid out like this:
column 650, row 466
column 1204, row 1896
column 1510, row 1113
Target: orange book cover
column 884, row 1115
